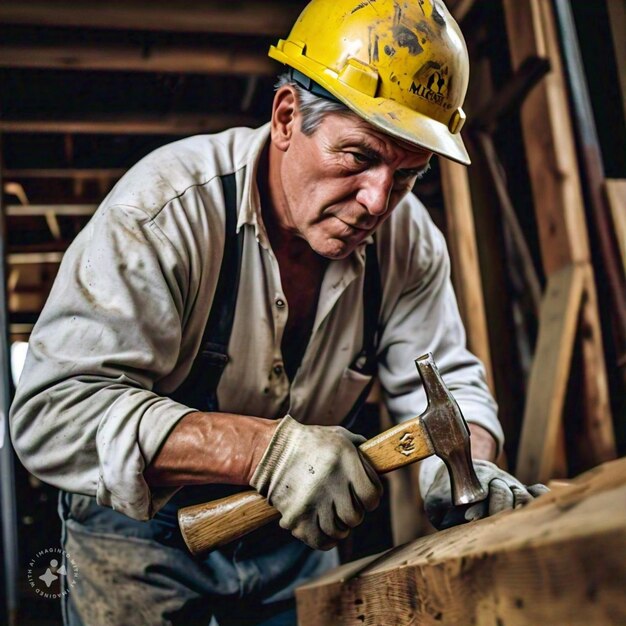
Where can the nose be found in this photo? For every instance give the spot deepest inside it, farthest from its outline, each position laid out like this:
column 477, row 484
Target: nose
column 374, row 190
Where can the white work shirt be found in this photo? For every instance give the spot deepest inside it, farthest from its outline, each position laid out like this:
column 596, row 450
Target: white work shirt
column 126, row 315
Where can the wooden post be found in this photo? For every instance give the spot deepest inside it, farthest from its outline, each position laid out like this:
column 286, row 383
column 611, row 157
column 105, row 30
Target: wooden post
column 558, row 201
column 464, row 257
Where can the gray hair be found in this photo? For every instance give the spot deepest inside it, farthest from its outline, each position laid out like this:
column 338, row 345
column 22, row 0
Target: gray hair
column 312, row 108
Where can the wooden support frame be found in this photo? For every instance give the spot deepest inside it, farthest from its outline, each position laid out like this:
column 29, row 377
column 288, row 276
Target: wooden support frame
column 196, row 60
column 464, row 257
column 558, row 200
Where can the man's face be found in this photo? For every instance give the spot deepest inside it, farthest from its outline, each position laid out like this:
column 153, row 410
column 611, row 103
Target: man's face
column 343, row 181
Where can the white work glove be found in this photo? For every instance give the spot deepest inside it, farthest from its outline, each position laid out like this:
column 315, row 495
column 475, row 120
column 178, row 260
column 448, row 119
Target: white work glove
column 503, row 492
column 318, row 480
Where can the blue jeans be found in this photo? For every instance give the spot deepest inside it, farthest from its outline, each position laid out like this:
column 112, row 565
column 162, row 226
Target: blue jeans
column 132, row 573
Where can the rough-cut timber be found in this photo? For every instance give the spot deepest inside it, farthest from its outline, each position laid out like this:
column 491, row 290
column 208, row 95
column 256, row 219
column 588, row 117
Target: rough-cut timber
column 559, row 561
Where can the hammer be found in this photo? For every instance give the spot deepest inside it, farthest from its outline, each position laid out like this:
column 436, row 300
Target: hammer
column 441, row 429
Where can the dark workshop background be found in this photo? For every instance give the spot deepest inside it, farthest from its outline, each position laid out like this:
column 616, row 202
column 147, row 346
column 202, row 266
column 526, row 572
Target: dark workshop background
column 87, row 89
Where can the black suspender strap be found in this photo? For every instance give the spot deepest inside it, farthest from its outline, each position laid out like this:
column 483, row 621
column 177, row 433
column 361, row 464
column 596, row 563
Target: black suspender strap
column 365, row 361
column 200, row 387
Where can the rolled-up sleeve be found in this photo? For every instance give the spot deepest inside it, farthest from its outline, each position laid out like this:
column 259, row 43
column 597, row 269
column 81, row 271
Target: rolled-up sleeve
column 422, row 318
column 85, row 417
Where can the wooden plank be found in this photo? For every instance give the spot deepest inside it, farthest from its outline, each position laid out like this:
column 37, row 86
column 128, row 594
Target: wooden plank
column 527, row 266
column 615, row 190
column 245, row 17
column 558, row 323
column 598, row 436
column 26, row 302
column 19, row 210
column 464, row 256
column 555, row 181
column 30, row 258
column 548, row 138
column 21, row 329
column 17, row 190
column 169, row 125
column 559, row 560
column 76, row 173
column 509, row 96
column 197, row 60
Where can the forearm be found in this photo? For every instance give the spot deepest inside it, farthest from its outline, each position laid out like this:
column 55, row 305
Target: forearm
column 211, row 448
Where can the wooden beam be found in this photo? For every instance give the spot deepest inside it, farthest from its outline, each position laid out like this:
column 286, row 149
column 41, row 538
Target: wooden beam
column 549, row 139
column 598, row 434
column 558, row 322
column 170, row 125
column 189, row 60
column 510, row 96
column 464, row 255
column 18, row 210
column 510, row 218
column 84, row 174
column 560, row 560
column 615, row 191
column 244, row 17
column 555, row 180
column 17, row 190
column 21, row 329
column 34, row 258
column 26, row 302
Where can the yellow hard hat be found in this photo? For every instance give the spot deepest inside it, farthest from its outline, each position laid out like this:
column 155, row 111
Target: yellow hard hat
column 400, row 64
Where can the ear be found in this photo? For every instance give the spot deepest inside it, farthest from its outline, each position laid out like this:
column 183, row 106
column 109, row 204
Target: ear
column 284, row 114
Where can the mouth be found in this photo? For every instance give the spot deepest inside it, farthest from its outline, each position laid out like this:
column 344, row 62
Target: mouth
column 357, row 226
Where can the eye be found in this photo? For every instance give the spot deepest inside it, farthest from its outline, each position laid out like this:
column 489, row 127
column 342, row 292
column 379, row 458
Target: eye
column 408, row 174
column 359, row 158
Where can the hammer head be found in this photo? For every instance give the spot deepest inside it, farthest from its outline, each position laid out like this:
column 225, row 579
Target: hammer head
column 449, row 434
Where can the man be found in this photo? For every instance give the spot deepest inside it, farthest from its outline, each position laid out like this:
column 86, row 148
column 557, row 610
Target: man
column 223, row 313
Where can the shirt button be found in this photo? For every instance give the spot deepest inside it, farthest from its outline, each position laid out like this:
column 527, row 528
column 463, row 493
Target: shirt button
column 278, row 369
column 280, row 303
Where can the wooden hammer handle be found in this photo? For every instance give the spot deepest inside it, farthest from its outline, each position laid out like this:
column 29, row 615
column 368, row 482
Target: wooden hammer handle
column 213, row 524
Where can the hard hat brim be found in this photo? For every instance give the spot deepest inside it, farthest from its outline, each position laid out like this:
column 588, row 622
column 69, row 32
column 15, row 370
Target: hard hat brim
column 383, row 113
